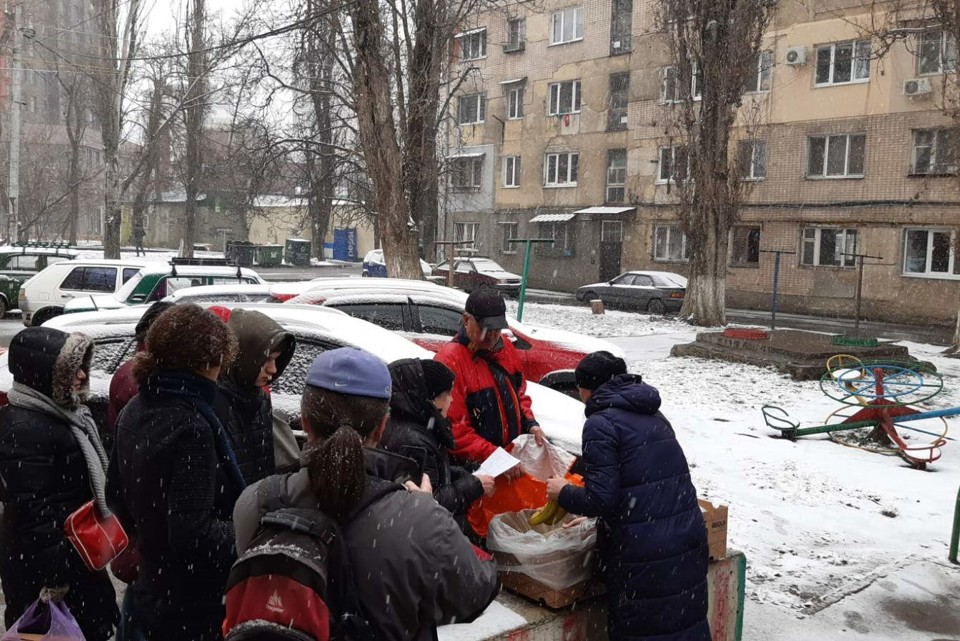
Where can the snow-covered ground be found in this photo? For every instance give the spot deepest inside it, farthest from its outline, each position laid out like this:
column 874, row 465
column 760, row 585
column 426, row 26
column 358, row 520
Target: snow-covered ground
column 816, row 520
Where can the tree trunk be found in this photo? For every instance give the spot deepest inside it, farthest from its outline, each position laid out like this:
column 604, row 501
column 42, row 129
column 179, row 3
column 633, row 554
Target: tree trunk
column 195, row 104
column 381, row 149
column 705, row 299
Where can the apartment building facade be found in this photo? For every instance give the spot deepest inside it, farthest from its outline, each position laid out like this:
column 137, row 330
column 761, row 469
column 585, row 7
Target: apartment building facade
column 561, row 134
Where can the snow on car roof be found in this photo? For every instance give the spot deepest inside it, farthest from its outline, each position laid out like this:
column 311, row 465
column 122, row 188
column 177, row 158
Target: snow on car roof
column 156, row 267
column 105, row 262
column 214, row 290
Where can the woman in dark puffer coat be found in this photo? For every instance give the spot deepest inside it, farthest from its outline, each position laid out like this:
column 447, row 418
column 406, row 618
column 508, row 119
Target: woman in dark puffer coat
column 419, row 429
column 51, row 463
column 652, row 538
column 174, row 478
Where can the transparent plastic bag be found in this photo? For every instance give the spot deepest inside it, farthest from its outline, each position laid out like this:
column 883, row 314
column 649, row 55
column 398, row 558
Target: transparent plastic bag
column 47, row 621
column 555, row 556
column 541, row 461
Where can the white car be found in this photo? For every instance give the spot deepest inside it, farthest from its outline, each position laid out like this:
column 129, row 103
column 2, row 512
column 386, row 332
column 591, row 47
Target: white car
column 317, row 329
column 374, row 266
column 45, row 294
column 233, row 293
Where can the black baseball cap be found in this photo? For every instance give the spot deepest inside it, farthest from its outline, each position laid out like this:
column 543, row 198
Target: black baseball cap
column 487, row 307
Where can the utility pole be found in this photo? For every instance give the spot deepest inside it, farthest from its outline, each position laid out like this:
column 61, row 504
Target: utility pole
column 776, row 281
column 16, row 77
column 860, row 258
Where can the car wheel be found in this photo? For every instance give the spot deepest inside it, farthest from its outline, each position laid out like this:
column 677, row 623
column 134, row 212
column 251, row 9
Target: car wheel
column 589, row 296
column 656, row 306
column 365, row 274
column 44, row 315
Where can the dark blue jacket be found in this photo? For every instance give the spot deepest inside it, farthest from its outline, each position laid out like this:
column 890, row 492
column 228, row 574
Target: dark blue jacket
column 653, row 542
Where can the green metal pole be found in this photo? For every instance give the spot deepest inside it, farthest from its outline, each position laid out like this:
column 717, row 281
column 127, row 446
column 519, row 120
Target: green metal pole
column 523, row 280
column 955, row 538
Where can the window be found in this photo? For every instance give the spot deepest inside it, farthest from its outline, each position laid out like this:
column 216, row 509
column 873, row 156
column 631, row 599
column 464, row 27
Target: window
column 611, row 231
column 618, row 100
column 935, row 151
column 674, row 164
column 752, row 159
column 507, row 232
column 763, row 66
column 616, row 175
column 386, row 315
column 129, row 272
column 307, row 351
column 669, row 244
column 467, row 173
column 560, row 170
column 937, row 53
column 564, row 98
column 836, row 156
column 567, row 25
column 465, row 231
column 930, row 252
column 439, row 320
column 516, row 35
column 621, row 26
column 843, row 62
column 828, row 247
column 746, row 246
column 562, row 236
column 473, row 44
column 511, row 171
column 670, row 85
column 22, row 263
column 515, row 102
column 472, row 109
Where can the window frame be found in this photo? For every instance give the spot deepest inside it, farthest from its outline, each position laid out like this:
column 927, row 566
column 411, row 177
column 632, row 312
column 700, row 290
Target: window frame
column 521, row 28
column 511, row 169
column 671, row 179
column 472, row 168
column 576, row 98
column 515, row 101
column 670, row 74
column 855, row 56
column 755, row 145
column 613, row 154
column 611, row 224
column 617, row 113
column 514, row 230
column 481, row 108
column 953, row 264
column 480, row 35
column 764, row 69
column 578, row 25
column 816, row 242
column 743, row 233
column 826, row 157
column 944, row 63
column 560, row 231
column 573, row 169
column 935, row 167
column 670, row 229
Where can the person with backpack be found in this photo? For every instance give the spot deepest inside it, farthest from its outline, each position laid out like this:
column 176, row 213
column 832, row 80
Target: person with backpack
column 411, row 569
column 51, row 463
column 419, row 429
column 652, row 539
column 243, row 406
column 174, row 479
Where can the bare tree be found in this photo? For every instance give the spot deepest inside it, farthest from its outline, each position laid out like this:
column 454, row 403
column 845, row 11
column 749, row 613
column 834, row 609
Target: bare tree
column 714, row 44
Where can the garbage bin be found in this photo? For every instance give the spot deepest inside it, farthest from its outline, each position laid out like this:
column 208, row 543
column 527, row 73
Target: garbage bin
column 269, row 255
column 297, row 252
column 240, row 252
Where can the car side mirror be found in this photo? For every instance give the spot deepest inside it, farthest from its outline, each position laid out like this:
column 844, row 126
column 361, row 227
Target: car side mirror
column 138, row 298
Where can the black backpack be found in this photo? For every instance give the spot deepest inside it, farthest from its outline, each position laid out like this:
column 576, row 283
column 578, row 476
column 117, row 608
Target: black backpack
column 293, row 583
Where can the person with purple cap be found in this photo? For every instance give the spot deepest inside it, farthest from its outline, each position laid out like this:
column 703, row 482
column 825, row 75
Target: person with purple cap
column 412, row 568
column 490, row 403
column 652, row 539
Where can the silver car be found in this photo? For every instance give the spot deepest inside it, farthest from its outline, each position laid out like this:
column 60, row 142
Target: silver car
column 655, row 292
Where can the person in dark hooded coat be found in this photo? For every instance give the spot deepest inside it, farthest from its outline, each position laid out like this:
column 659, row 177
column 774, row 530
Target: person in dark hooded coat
column 652, row 538
column 51, row 463
column 243, row 405
column 419, row 429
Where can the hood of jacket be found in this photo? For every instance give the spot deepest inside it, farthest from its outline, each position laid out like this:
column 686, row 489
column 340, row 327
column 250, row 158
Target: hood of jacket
column 626, row 392
column 48, row 360
column 388, row 466
column 257, row 336
column 409, row 400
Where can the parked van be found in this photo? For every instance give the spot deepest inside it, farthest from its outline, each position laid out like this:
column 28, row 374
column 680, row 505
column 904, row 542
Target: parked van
column 44, row 295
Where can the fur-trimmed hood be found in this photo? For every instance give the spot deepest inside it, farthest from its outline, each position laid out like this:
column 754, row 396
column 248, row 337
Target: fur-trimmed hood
column 47, row 360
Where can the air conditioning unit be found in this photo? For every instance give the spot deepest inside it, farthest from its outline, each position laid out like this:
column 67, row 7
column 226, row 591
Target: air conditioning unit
column 796, row 56
column 916, row 87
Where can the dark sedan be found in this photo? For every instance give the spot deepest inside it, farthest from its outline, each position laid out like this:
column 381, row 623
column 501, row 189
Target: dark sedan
column 474, row 272
column 655, row 292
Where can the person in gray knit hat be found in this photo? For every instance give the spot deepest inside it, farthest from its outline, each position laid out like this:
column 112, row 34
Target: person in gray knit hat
column 51, row 463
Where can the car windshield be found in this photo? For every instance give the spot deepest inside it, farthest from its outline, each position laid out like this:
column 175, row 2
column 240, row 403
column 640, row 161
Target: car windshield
column 670, row 280
column 124, row 292
column 486, row 265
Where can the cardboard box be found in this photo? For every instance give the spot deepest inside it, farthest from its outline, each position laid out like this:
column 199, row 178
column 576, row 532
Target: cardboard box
column 715, row 518
column 532, row 589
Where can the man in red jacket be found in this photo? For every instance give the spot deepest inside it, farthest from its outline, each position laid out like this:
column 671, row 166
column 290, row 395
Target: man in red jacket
column 490, row 403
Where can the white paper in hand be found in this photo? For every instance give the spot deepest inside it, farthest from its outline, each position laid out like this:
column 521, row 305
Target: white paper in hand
column 497, row 463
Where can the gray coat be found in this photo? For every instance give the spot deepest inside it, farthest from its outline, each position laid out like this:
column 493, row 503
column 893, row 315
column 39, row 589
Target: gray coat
column 413, row 567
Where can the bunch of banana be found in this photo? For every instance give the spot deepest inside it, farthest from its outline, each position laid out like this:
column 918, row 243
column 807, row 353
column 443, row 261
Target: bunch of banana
column 549, row 514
